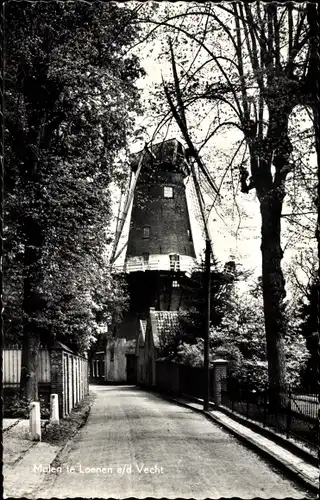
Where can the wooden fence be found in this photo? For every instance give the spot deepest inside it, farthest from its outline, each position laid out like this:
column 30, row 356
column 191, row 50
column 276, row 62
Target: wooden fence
column 75, row 381
column 60, row 371
column 11, row 371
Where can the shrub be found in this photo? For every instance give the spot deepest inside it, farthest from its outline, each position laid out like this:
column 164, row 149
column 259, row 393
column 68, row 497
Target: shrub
column 16, row 407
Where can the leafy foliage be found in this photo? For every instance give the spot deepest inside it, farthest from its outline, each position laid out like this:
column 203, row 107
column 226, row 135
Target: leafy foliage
column 309, row 312
column 191, row 354
column 303, row 311
column 187, row 338
column 16, row 407
column 222, row 282
column 71, row 103
column 240, row 339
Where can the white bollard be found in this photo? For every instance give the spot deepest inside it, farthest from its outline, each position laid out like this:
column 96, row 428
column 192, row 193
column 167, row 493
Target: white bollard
column 54, row 409
column 35, row 422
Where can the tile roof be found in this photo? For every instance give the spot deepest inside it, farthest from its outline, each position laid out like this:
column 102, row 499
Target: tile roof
column 163, row 324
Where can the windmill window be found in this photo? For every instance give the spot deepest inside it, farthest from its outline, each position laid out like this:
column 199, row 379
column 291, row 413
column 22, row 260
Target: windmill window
column 146, row 232
column 168, row 192
column 174, row 262
column 175, row 284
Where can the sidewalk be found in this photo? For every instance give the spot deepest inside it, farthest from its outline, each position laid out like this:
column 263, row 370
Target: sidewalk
column 286, row 460
column 22, row 458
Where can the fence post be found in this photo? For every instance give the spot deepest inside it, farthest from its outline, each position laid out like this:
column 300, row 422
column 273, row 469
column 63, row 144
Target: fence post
column 54, row 409
column 265, row 399
column 289, row 413
column 57, row 375
column 35, row 421
column 219, row 379
column 70, row 383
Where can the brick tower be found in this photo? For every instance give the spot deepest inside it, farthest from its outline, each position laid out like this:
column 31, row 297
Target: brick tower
column 160, row 252
column 160, row 234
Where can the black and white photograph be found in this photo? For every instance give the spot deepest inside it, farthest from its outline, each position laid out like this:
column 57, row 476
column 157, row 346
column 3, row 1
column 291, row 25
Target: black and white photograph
column 161, row 249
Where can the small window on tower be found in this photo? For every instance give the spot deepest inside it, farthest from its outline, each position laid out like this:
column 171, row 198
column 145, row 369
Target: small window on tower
column 168, row 192
column 175, row 284
column 146, row 232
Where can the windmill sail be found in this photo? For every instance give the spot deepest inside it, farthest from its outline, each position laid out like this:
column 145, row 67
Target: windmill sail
column 121, row 220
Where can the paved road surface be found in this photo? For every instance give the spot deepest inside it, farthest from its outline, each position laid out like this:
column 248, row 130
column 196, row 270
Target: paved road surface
column 151, row 447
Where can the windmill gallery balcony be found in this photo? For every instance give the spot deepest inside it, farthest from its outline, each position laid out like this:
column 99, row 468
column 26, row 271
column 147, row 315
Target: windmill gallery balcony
column 174, row 263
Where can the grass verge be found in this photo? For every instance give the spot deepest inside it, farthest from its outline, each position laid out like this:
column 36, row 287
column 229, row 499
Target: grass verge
column 59, row 434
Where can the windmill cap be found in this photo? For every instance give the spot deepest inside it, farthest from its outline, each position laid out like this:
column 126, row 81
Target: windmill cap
column 170, row 152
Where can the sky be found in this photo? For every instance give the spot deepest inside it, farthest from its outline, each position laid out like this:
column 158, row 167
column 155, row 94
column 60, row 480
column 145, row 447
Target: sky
column 234, row 227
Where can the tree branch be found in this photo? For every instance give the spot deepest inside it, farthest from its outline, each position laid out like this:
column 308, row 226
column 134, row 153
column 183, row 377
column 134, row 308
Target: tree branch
column 239, row 55
column 254, row 52
column 187, row 138
column 214, row 58
column 217, row 128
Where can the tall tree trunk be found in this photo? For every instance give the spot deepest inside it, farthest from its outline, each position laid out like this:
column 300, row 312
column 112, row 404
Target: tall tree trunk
column 271, row 192
column 33, row 304
column 316, row 115
column 313, row 16
column 273, row 285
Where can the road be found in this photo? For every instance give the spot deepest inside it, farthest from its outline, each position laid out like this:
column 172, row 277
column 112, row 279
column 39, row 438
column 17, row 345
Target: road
column 136, row 444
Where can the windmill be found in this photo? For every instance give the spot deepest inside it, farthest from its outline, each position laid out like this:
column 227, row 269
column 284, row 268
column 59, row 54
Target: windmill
column 194, row 196
column 164, row 207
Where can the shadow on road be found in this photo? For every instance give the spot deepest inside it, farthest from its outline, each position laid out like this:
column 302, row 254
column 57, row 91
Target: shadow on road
column 114, row 387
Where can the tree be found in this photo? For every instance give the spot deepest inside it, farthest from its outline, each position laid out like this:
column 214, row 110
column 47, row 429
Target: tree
column 190, row 325
column 70, row 106
column 313, row 16
column 251, row 63
column 240, row 338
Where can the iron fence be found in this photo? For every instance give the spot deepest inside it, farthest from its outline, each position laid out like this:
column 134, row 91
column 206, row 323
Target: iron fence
column 293, row 414
column 192, row 381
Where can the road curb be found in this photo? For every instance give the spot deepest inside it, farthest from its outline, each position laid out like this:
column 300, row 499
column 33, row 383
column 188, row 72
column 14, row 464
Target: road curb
column 294, row 448
column 10, row 426
column 269, row 434
column 281, row 463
